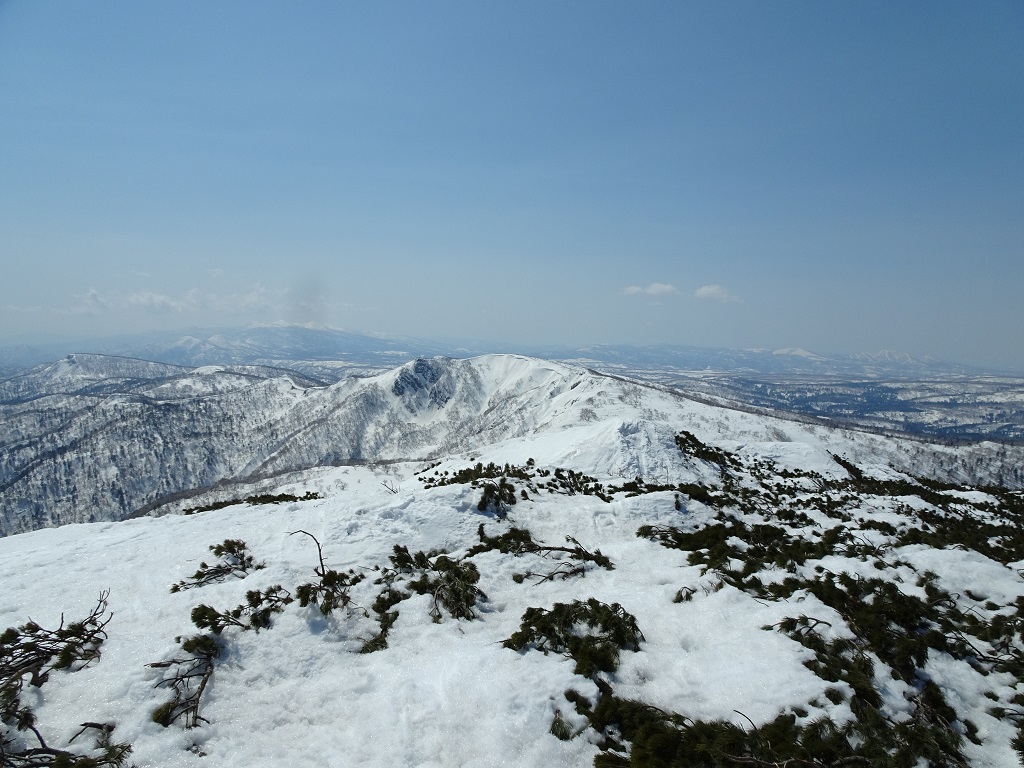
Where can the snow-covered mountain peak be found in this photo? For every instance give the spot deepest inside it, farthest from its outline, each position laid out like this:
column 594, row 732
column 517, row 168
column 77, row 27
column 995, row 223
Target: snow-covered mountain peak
column 891, row 356
column 798, row 352
column 425, row 383
column 484, row 383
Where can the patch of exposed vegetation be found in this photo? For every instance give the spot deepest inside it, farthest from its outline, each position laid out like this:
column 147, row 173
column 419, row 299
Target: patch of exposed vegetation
column 690, row 445
column 29, row 654
column 187, row 677
column 254, row 500
column 767, row 530
column 450, row 583
column 591, row 633
column 234, row 560
column 637, row 735
column 255, row 613
column 498, row 498
column 333, row 588
column 500, row 478
column 386, row 618
column 518, row 541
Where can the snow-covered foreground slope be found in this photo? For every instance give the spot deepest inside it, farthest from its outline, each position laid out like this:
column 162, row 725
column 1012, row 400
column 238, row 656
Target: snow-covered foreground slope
column 101, row 454
column 716, row 654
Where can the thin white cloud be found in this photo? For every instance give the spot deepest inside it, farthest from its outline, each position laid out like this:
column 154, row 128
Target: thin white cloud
column 232, row 303
column 654, row 289
column 717, row 293
column 155, row 302
column 90, row 304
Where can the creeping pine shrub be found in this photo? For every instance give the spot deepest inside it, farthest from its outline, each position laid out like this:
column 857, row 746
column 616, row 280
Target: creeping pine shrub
column 452, row 584
column 386, row 617
column 29, row 653
column 690, row 445
column 262, row 498
column 454, row 587
column 254, row 614
column 590, row 633
column 714, row 547
column 660, row 739
column 187, row 677
column 515, row 541
column 498, row 497
column 518, row 541
column 234, row 560
column 332, row 590
column 899, row 630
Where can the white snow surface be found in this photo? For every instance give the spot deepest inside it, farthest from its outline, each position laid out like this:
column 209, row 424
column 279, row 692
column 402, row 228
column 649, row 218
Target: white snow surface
column 441, row 694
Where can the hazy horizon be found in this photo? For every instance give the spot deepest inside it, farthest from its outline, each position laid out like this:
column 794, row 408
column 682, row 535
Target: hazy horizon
column 838, row 178
column 51, row 348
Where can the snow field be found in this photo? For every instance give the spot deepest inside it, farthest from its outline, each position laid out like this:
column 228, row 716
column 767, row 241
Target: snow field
column 441, row 694
column 448, row 693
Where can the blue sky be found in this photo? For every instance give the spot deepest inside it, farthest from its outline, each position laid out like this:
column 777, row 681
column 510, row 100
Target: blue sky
column 840, row 177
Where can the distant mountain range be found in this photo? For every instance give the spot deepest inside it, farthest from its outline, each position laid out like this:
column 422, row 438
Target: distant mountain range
column 330, row 351
column 882, row 392
column 333, row 353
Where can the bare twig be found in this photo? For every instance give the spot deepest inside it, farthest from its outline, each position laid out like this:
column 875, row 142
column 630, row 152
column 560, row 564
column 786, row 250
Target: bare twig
column 319, row 550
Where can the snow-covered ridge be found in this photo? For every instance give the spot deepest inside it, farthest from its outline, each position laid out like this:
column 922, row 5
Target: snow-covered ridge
column 799, row 352
column 128, row 443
